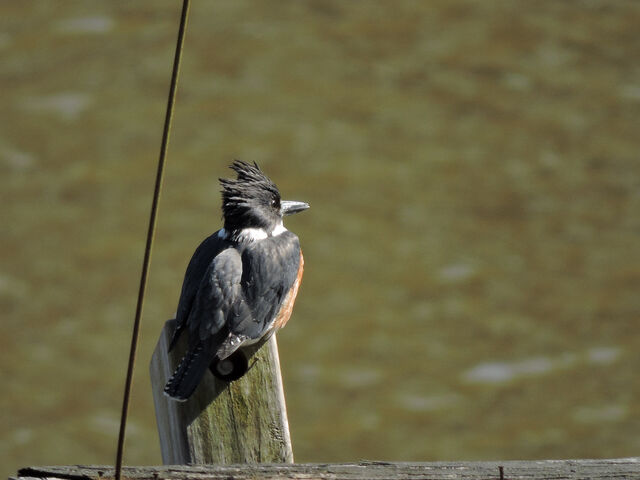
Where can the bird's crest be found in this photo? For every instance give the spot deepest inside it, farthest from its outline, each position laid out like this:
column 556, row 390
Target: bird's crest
column 245, row 197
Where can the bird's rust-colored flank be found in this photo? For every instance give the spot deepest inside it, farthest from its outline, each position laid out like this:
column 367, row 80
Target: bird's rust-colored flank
column 287, row 305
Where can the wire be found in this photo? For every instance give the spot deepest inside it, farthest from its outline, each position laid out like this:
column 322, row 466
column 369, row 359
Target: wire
column 150, row 235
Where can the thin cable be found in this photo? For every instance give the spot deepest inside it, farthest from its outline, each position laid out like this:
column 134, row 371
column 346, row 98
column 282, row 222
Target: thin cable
column 150, row 235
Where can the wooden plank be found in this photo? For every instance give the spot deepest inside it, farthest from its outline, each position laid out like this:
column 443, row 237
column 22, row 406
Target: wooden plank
column 244, row 421
column 627, row 468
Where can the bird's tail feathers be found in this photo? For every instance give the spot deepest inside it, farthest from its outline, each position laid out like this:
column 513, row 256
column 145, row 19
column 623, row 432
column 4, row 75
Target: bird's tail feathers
column 187, row 376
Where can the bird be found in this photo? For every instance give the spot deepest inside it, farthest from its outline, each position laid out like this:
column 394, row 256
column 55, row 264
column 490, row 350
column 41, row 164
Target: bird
column 241, row 282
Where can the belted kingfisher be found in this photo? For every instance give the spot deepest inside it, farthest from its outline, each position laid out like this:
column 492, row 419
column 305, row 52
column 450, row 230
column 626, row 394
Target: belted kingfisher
column 241, row 282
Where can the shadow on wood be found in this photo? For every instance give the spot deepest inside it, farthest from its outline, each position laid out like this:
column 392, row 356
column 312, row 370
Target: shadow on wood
column 244, row 421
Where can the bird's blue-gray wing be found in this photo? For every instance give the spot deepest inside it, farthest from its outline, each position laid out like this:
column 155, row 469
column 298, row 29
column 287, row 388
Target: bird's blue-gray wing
column 198, row 265
column 217, row 294
column 218, row 297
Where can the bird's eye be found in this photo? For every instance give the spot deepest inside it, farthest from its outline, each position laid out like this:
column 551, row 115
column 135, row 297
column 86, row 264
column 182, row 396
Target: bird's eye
column 275, row 203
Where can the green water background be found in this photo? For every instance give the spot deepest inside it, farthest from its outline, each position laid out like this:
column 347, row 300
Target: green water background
column 472, row 252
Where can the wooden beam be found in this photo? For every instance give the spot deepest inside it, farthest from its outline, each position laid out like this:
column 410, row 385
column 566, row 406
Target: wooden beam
column 244, row 421
column 627, row 468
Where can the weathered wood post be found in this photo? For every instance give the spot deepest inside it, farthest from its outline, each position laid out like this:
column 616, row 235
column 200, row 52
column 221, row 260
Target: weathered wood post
column 244, row 421
column 601, row 469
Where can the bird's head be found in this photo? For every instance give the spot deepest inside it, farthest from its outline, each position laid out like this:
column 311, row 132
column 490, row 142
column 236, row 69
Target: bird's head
column 252, row 200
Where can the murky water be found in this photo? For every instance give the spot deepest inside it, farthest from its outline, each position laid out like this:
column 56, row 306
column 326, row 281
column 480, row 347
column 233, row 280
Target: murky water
column 472, row 251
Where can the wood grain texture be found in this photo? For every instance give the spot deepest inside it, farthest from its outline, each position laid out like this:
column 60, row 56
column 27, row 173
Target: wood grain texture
column 627, row 468
column 244, row 421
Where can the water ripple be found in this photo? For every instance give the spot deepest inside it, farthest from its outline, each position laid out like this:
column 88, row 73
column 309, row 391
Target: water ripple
column 501, row 372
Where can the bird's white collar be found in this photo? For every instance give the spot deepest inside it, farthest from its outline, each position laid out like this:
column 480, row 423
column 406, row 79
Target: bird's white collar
column 253, row 234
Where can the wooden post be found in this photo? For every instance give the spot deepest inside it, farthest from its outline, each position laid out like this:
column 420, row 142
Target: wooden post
column 244, row 421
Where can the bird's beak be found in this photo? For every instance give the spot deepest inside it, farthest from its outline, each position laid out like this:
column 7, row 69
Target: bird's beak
column 289, row 207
